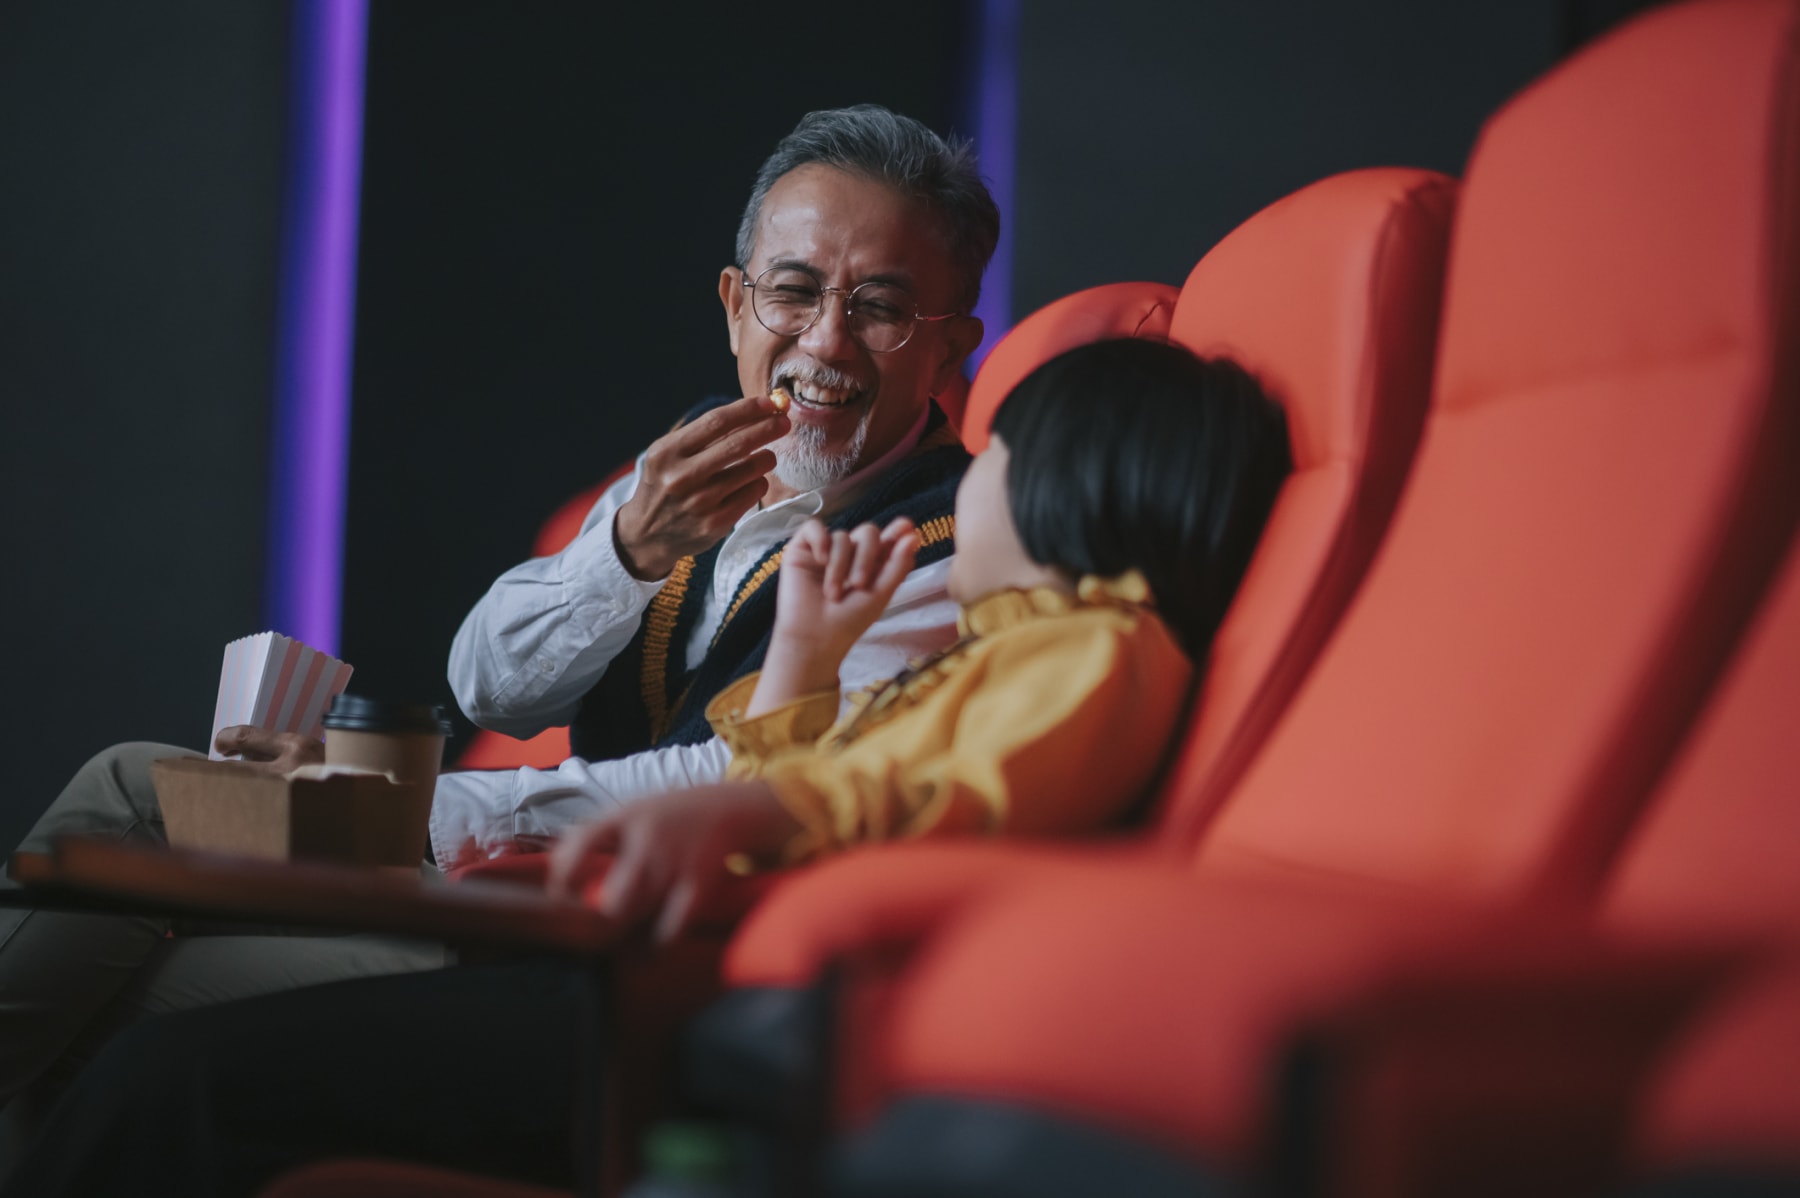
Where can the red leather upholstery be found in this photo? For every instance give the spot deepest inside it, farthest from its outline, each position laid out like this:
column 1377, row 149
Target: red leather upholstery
column 1597, row 502
column 1593, row 517
column 1714, row 858
column 1725, row 1090
column 1095, row 314
column 1331, row 296
column 1705, row 898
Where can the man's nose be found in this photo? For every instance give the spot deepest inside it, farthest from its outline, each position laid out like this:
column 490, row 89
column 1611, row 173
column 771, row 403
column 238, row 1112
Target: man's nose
column 829, row 337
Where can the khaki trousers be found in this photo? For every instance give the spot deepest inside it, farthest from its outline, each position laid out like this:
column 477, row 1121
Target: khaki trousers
column 69, row 981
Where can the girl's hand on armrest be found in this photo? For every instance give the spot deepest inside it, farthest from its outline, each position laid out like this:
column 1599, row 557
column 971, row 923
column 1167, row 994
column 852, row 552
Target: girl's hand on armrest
column 670, row 850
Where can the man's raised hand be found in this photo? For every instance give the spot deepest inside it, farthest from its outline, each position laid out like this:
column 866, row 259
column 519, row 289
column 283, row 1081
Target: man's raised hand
column 694, row 484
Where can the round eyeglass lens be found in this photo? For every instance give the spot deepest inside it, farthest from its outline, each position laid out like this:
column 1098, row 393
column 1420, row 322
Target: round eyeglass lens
column 789, row 301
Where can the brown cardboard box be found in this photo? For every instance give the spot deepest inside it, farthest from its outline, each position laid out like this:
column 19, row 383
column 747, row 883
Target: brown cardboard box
column 229, row 807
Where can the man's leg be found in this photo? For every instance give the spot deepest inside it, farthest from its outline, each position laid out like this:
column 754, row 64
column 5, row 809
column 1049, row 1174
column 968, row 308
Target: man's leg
column 474, row 1068
column 68, row 981
column 57, row 968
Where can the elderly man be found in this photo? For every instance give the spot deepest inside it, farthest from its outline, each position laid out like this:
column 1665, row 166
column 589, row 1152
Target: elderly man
column 860, row 255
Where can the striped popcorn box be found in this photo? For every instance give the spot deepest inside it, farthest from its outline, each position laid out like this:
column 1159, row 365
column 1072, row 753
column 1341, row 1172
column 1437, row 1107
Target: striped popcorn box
column 275, row 682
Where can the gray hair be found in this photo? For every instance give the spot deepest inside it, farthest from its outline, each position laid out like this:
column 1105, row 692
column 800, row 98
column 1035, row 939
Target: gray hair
column 868, row 140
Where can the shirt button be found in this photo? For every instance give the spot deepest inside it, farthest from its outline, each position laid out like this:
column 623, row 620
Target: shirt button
column 546, row 666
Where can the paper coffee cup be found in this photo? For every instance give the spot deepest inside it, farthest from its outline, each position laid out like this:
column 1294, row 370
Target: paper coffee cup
column 403, row 740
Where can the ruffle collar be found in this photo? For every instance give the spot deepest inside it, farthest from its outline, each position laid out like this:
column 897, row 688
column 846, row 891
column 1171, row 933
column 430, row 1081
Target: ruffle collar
column 1004, row 609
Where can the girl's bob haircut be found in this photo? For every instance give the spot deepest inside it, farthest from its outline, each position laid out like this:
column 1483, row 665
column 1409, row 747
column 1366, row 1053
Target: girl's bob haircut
column 1133, row 454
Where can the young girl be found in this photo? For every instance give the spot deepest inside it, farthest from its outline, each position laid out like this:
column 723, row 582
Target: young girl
column 1099, row 538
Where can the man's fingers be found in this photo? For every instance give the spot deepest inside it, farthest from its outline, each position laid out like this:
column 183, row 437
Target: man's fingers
column 709, row 428
column 736, row 503
column 731, row 477
column 738, row 444
column 258, row 744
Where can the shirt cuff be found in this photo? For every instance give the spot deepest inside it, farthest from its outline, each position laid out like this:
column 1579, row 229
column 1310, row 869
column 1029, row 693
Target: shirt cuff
column 594, row 576
column 799, row 722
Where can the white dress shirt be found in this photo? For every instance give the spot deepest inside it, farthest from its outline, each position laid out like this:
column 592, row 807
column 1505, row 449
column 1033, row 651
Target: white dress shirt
column 545, row 632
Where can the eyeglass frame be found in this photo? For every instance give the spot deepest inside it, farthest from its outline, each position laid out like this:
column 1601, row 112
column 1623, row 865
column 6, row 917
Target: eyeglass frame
column 849, row 302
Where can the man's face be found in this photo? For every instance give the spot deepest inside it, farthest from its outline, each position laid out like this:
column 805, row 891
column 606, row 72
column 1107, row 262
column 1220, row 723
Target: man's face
column 850, row 405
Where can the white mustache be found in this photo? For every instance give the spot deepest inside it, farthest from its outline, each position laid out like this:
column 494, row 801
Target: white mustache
column 818, row 375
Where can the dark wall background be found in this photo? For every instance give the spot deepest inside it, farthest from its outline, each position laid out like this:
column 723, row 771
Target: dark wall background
column 517, row 158
column 140, row 174
column 1141, row 148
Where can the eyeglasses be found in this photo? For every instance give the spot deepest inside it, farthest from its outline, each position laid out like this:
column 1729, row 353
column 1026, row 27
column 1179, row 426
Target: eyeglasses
column 881, row 316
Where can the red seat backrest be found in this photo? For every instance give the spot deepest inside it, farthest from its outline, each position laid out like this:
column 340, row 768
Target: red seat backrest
column 1331, row 298
column 1714, row 857
column 1601, row 494
column 1086, row 316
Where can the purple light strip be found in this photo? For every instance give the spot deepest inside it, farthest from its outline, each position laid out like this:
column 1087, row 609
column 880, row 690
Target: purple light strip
column 316, row 319
column 996, row 121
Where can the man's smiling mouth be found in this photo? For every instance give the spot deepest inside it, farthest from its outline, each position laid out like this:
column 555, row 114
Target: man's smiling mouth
column 817, row 396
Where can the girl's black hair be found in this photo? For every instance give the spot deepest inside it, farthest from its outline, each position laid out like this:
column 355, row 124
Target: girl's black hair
column 1133, row 454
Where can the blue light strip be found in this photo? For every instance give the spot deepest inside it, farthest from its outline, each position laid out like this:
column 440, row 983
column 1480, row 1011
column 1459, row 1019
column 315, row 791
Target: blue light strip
column 315, row 323
column 995, row 100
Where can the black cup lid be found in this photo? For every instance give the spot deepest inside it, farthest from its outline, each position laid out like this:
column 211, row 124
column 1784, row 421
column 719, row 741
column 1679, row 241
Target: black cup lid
column 355, row 713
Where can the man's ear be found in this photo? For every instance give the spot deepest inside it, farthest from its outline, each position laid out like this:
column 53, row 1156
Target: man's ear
column 731, row 294
column 961, row 335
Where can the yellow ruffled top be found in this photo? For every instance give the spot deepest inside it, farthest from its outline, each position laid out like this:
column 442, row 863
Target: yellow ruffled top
column 1048, row 716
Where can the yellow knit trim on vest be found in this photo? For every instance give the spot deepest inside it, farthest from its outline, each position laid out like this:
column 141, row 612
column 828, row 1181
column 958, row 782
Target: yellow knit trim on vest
column 659, row 629
column 749, row 587
column 933, row 531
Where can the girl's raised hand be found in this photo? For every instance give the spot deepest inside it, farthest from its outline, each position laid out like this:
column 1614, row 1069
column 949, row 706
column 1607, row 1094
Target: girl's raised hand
column 833, row 586
column 845, row 578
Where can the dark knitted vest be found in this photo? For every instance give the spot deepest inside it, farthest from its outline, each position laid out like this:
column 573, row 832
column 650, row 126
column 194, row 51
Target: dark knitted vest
column 648, row 697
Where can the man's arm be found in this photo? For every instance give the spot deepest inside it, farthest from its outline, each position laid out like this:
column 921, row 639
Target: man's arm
column 548, row 628
column 546, row 631
column 485, row 810
column 478, row 813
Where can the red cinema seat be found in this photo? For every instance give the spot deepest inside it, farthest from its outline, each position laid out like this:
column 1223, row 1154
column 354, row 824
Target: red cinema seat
column 1600, row 499
column 1654, row 1042
column 1331, row 297
column 1094, row 314
column 1714, row 859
